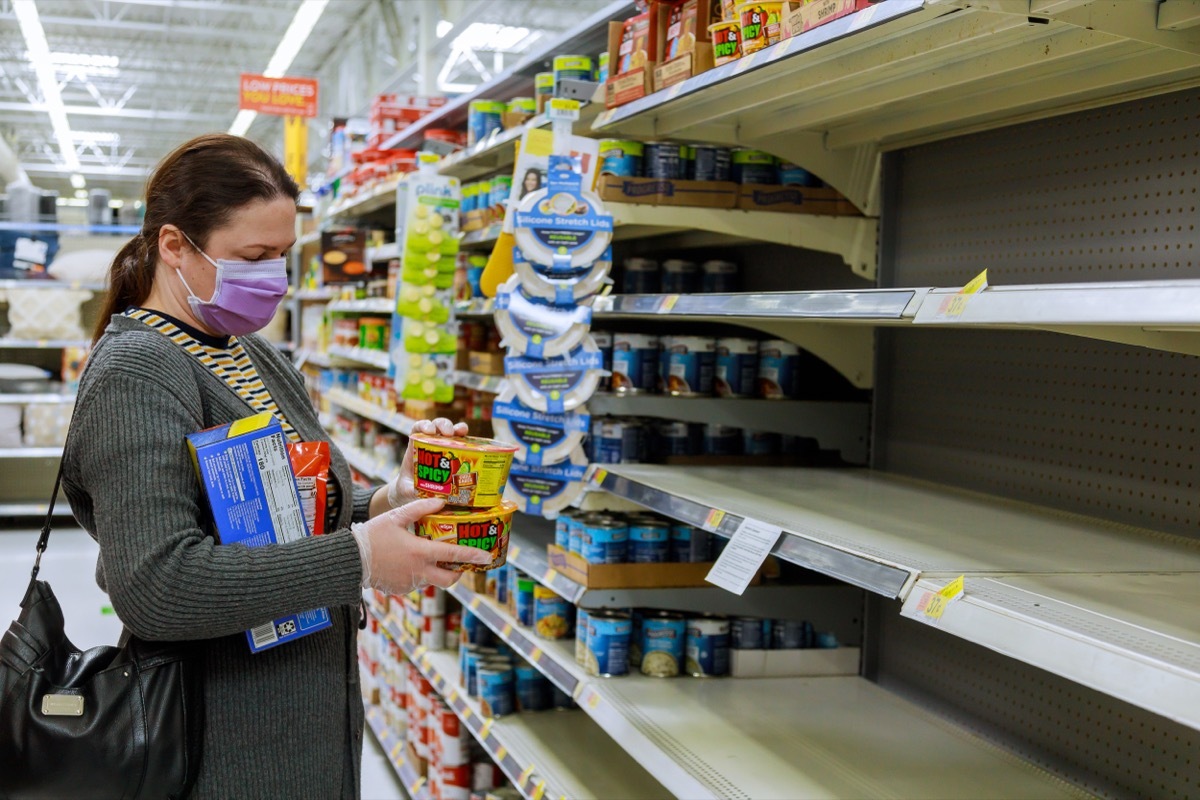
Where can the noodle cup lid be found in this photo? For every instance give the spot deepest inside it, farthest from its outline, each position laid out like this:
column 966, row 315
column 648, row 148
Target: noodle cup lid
column 475, row 444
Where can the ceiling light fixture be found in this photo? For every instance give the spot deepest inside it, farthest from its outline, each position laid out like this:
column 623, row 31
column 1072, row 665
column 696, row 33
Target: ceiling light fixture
column 78, row 181
column 39, row 55
column 289, row 47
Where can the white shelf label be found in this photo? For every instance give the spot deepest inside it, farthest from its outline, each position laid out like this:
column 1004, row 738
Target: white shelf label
column 748, row 548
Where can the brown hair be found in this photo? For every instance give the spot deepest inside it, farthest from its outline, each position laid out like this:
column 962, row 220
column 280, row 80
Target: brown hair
column 198, row 188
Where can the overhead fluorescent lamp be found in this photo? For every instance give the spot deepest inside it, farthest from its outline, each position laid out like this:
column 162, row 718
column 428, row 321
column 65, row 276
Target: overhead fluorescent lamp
column 39, row 55
column 285, row 53
column 78, row 181
column 96, row 137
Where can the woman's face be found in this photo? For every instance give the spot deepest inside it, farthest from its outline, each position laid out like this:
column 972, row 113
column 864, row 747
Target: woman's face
column 532, row 180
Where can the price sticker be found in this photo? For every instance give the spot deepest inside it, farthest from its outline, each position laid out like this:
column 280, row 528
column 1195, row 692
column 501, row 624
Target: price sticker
column 486, row 729
column 549, row 577
column 598, row 476
column 593, row 700
column 956, row 304
column 514, row 551
column 934, row 604
column 474, row 604
column 579, row 687
column 452, row 696
column 506, row 630
column 397, row 750
column 525, row 775
column 501, row 752
column 668, row 303
column 713, row 520
column 416, row 787
column 467, row 712
column 536, row 655
column 539, row 791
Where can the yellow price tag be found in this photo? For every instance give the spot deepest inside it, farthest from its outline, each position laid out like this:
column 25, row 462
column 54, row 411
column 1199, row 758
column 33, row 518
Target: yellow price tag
column 514, row 551
column 416, row 787
column 668, row 303
column 549, row 577
column 450, row 698
column 467, row 712
column 976, row 284
column 933, row 605
column 598, row 476
column 525, row 775
column 506, row 630
column 501, row 752
column 579, row 687
column 486, row 729
column 713, row 520
column 539, row 791
column 593, row 701
column 536, row 655
column 474, row 602
column 397, row 750
column 955, row 305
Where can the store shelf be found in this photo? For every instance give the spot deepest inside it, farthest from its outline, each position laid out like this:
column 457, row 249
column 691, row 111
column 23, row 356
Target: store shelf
column 395, row 749
column 544, row 754
column 36, row 399
column 493, row 154
column 889, row 534
column 52, row 284
column 42, row 344
column 312, row 237
column 482, row 239
column 72, row 230
column 376, row 359
column 908, row 71
column 315, row 357
column 324, row 293
column 61, row 509
column 367, row 464
column 369, row 305
column 589, row 36
column 841, row 426
column 30, row 452
column 367, row 201
column 478, row 307
column 484, row 383
column 384, row 252
column 389, row 419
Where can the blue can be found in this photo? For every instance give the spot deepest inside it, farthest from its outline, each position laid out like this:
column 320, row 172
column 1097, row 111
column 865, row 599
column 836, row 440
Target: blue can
column 497, row 690
column 581, row 635
column 722, row 440
column 754, row 166
column 718, row 277
column 573, row 67
column 760, row 443
column 687, row 365
column 792, row 175
column 649, row 541
column 778, row 369
column 608, row 644
column 483, row 117
column 689, row 544
column 575, row 530
column 676, row 439
column 826, row 641
column 663, row 160
column 711, row 162
column 707, row 647
column 619, row 442
column 562, row 530
column 680, row 277
column 634, row 363
column 604, row 343
column 533, row 690
column 467, row 204
column 736, row 370
column 605, row 540
column 469, row 664
column 523, row 596
column 746, row 633
column 663, row 638
column 504, row 583
column 474, row 631
column 636, row 617
column 640, row 276
column 621, row 158
column 787, row 634
column 552, row 615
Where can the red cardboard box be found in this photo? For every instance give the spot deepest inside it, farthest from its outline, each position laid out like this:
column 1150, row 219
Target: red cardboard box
column 799, row 17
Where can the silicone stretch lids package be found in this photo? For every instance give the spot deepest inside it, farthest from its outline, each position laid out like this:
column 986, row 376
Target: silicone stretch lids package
column 547, row 490
column 542, row 438
column 557, row 384
column 564, row 289
column 536, row 328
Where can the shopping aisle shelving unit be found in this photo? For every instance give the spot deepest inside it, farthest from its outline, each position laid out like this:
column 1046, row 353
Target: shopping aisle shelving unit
column 544, row 754
column 396, row 751
column 391, row 420
column 367, row 464
column 376, row 359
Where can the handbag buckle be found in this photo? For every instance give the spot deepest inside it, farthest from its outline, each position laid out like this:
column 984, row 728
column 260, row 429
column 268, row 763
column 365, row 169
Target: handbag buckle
column 62, row 705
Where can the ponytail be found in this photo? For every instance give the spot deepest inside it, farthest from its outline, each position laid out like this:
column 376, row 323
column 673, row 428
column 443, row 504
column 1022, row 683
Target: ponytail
column 130, row 279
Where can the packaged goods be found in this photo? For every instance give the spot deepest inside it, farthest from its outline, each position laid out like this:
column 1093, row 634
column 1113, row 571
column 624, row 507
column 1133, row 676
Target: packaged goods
column 468, row 471
column 746, row 633
column 754, row 167
column 793, row 175
column 621, row 158
column 575, row 525
column 634, row 363
column 607, row 653
column 778, row 369
column 676, row 439
column 551, row 614
column 726, row 38
column 310, row 465
column 558, row 384
column 686, row 365
column 711, row 163
column 497, row 687
column 372, row 333
column 246, row 475
column 680, row 277
column 637, row 617
column 536, row 328
column 682, row 25
column 543, row 89
column 547, row 490
column 761, row 443
column 640, row 276
column 649, row 541
column 722, row 440
column 707, row 647
column 565, row 288
column 486, row 529
column 736, row 370
column 483, row 117
column 541, row 437
column 663, row 637
column 761, row 25
column 572, row 68
column 581, row 635
column 718, row 277
column 663, row 160
column 605, row 540
column 617, row 441
column 523, row 599
column 602, row 67
column 634, row 51
column 604, row 341
column 533, row 690
column 690, row 544
column 563, row 227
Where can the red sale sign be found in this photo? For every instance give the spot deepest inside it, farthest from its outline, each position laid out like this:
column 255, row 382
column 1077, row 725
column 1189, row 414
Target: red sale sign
column 280, row 96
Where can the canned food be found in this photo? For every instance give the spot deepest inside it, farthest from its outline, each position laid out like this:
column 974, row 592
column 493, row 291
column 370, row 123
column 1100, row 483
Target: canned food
column 826, row 640
column 663, row 638
column 602, row 68
column 619, row 442
column 604, row 343
column 636, row 617
column 551, row 614
column 640, row 276
column 754, row 166
column 621, row 158
column 778, row 369
column 501, row 190
column 663, row 160
column 746, row 633
column 607, row 644
column 707, row 647
column 472, row 659
column 496, row 690
column 543, row 89
column 722, row 440
column 793, row 175
column 372, row 333
column 690, row 545
column 760, row 443
column 634, row 363
column 718, row 277
column 687, row 364
column 573, row 68
column 605, row 540
column 649, row 541
column 687, row 156
column 483, row 117
column 680, row 277
column 562, row 529
column 575, row 531
column 787, row 634
column 711, row 162
column 523, row 105
column 533, row 690
column 736, row 367
column 581, row 635
column 473, row 631
column 676, row 439
column 504, row 582
column 523, row 599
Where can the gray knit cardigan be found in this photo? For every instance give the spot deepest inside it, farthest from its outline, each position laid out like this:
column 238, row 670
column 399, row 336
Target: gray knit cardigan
column 286, row 723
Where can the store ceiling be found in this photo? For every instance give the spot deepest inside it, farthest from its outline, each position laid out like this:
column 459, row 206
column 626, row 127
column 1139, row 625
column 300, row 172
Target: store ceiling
column 140, row 76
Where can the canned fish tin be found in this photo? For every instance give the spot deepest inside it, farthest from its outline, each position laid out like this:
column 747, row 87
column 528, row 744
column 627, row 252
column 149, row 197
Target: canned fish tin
column 621, row 158
column 533, row 690
column 793, row 175
column 778, row 369
column 680, row 277
column 663, row 160
column 736, row 367
column 718, row 277
column 754, row 166
column 496, row 690
column 640, row 276
column 581, row 635
column 760, row 443
column 687, row 157
column 687, row 364
column 712, row 162
column 573, row 68
column 663, row 639
column 551, row 614
column 473, row 631
column 707, row 647
column 746, row 633
column 619, row 442
column 649, row 541
column 575, row 529
column 635, row 363
column 787, row 634
column 562, row 528
column 523, row 599
column 483, row 117
column 675, row 439
column 605, row 540
column 722, row 440
column 607, row 644
column 689, row 544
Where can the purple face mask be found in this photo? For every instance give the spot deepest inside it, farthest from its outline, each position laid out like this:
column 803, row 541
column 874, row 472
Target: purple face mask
column 245, row 297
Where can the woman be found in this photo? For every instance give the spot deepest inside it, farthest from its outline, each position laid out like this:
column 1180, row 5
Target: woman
column 175, row 353
column 532, row 181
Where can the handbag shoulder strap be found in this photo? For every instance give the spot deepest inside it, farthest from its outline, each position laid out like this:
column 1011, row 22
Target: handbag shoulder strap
column 44, row 538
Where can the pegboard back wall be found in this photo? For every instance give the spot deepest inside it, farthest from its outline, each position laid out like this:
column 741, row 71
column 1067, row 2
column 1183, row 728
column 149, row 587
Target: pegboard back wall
column 1099, row 743
column 1087, row 426
column 1102, row 195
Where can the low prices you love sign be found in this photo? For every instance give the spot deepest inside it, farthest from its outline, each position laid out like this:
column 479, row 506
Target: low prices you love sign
column 279, row 96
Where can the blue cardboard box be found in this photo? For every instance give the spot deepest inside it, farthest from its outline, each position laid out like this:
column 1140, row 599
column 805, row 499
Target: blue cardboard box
column 247, row 477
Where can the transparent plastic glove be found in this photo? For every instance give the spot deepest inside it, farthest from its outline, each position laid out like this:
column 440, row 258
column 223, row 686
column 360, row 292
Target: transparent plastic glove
column 401, row 490
column 397, row 561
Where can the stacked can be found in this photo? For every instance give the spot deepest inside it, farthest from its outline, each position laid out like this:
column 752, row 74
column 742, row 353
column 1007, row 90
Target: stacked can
column 420, row 706
column 449, row 753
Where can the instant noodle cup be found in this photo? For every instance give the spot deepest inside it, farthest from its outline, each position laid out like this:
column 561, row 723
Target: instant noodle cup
column 468, row 471
column 485, row 529
column 761, row 26
column 726, row 41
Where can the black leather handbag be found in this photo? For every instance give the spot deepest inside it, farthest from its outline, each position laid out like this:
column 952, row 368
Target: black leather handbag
column 109, row 722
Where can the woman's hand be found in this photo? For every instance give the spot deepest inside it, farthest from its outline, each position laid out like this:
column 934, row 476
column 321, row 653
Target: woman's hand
column 397, row 562
column 401, row 490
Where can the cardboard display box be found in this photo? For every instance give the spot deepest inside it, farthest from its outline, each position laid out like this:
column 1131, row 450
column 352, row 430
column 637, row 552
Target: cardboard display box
column 630, row 576
column 344, row 257
column 799, row 17
column 665, row 192
column 694, row 52
column 638, row 82
column 486, row 363
column 794, row 199
column 794, row 663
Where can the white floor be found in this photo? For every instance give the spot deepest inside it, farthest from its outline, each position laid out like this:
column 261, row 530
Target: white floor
column 69, row 566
